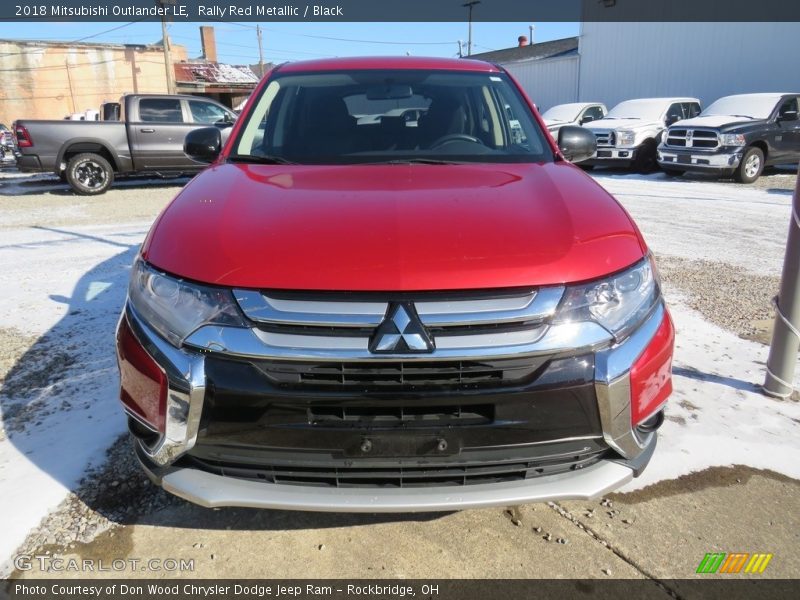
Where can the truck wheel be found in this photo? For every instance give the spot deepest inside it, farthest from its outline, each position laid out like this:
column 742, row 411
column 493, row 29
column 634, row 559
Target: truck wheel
column 647, row 158
column 89, row 174
column 751, row 165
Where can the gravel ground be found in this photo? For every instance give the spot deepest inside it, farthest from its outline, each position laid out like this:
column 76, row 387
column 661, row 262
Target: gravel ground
column 114, row 496
column 728, row 296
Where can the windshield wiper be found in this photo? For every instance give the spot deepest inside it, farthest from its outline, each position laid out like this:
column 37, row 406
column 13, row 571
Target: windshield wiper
column 743, row 116
column 268, row 159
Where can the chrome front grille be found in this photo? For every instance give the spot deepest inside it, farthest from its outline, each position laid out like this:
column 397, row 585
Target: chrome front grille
column 439, row 326
column 705, row 139
column 347, row 322
column 605, row 138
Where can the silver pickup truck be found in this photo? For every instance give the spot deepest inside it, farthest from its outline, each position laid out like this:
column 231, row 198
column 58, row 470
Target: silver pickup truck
column 148, row 138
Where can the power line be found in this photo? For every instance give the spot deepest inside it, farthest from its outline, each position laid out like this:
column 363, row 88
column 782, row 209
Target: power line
column 338, row 39
column 88, row 37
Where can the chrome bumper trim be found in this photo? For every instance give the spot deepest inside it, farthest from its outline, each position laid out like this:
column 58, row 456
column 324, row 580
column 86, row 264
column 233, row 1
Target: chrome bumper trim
column 669, row 158
column 613, row 387
column 186, row 391
column 210, row 490
column 615, row 153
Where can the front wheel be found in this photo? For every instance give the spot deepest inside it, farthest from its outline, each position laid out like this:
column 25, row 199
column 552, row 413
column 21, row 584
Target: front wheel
column 751, row 166
column 89, row 174
column 646, row 160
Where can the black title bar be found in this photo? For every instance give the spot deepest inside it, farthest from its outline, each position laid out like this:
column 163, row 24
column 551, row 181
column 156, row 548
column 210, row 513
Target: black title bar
column 394, row 589
column 400, row 10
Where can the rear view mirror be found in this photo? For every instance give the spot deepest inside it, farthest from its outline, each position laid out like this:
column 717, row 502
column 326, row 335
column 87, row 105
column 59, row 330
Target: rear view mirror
column 203, row 145
column 390, row 91
column 576, row 143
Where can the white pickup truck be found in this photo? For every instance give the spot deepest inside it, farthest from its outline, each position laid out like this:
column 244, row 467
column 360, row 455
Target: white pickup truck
column 630, row 133
column 574, row 113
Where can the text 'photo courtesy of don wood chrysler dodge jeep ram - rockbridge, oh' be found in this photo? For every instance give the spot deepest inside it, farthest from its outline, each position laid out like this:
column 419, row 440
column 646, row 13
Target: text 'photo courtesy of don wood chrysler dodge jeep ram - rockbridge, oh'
column 354, row 314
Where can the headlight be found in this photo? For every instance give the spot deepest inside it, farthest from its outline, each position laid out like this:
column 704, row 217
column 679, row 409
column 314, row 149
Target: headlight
column 618, row 303
column 625, row 138
column 176, row 308
column 731, row 139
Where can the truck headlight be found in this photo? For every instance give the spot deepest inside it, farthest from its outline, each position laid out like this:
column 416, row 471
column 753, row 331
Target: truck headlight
column 731, row 139
column 625, row 138
column 618, row 303
column 175, row 308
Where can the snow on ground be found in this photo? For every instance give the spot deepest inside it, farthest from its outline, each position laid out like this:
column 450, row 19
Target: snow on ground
column 59, row 403
column 696, row 219
column 717, row 414
column 66, row 285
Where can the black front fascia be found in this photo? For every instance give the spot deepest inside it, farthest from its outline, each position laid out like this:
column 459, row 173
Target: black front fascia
column 503, row 410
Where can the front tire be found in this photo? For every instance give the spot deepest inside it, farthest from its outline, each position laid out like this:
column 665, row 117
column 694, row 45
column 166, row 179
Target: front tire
column 89, row 174
column 647, row 158
column 751, row 166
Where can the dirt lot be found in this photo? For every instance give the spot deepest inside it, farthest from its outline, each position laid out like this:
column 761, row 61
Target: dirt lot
column 719, row 482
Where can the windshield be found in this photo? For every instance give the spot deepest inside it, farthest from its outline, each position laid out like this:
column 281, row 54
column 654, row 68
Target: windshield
column 562, row 112
column 756, row 106
column 365, row 116
column 646, row 110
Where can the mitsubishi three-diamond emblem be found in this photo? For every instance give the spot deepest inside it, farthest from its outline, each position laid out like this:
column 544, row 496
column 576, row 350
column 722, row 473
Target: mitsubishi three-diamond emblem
column 401, row 332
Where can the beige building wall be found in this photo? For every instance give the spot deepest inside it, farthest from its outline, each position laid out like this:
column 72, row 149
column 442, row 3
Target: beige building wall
column 45, row 80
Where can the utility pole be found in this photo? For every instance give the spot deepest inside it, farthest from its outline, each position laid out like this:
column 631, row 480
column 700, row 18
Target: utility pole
column 460, row 50
column 786, row 333
column 469, row 6
column 260, row 51
column 69, row 81
column 167, row 54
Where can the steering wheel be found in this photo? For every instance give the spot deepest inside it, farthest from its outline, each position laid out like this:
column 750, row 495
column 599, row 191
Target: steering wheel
column 456, row 137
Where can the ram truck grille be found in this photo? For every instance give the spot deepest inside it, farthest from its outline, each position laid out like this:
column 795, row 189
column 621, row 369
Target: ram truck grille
column 704, row 139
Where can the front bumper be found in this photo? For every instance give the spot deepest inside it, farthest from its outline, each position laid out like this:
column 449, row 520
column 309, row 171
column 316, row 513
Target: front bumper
column 699, row 161
column 168, row 461
column 612, row 156
column 211, row 490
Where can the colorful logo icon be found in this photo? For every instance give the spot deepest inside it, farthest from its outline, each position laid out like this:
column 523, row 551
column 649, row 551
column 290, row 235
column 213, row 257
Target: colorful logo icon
column 736, row 562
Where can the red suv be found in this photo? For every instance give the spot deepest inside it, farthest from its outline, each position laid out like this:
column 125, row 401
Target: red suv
column 391, row 291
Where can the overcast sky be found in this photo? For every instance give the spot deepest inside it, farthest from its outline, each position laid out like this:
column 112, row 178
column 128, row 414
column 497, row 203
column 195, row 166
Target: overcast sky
column 236, row 42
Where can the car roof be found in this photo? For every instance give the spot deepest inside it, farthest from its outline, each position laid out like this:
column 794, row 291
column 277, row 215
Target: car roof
column 661, row 100
column 577, row 104
column 389, row 62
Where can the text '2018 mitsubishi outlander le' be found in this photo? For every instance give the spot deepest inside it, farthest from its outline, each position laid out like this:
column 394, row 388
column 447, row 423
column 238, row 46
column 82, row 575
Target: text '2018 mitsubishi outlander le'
column 353, row 313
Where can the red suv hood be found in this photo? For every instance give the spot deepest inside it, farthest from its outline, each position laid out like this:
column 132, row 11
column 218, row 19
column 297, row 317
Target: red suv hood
column 393, row 227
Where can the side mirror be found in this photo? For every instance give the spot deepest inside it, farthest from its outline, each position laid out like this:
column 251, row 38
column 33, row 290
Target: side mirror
column 587, row 119
column 203, row 145
column 789, row 115
column 672, row 119
column 576, row 143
